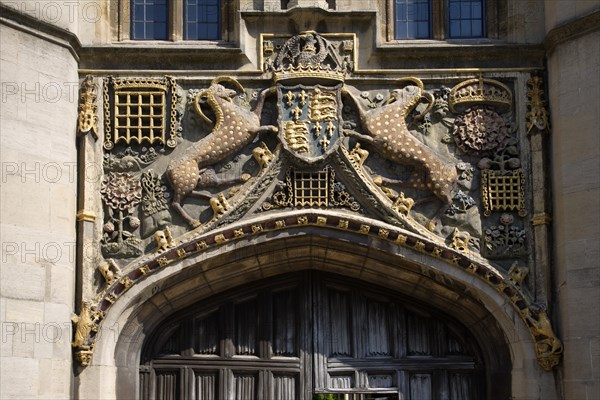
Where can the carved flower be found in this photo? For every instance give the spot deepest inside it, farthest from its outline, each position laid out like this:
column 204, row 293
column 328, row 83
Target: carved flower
column 480, row 130
column 379, row 96
column 120, row 191
column 364, row 95
column 506, row 219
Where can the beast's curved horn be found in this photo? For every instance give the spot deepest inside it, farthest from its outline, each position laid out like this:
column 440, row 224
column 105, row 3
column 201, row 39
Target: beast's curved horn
column 238, row 86
column 414, row 80
column 430, row 100
column 197, row 105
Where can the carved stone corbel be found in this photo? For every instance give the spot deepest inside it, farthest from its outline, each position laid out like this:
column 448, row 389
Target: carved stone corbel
column 85, row 323
column 109, row 270
column 547, row 346
column 88, row 118
column 164, row 240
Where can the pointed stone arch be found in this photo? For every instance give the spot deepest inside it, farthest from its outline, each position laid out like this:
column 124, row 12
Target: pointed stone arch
column 200, row 267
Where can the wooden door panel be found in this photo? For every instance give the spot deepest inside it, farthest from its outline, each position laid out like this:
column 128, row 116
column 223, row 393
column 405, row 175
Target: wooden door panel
column 310, row 334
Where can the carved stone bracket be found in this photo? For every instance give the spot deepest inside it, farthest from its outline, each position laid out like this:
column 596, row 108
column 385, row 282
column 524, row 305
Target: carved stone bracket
column 88, row 117
column 537, row 115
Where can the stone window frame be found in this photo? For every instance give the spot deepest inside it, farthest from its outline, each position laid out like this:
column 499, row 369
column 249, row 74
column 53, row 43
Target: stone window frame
column 121, row 22
column 440, row 22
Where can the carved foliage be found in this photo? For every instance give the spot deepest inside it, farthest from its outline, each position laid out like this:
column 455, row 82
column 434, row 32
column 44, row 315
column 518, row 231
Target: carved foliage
column 121, row 192
column 480, row 130
column 505, row 240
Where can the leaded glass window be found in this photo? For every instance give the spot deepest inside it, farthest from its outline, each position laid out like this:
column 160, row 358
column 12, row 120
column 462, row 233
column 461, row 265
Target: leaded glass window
column 465, row 18
column 149, row 19
column 202, row 20
column 413, row 19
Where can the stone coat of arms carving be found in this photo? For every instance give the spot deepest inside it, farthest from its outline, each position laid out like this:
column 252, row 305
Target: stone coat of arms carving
column 401, row 161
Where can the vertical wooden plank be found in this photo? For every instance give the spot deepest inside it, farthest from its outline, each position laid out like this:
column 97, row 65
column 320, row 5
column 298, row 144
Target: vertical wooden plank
column 284, row 387
column 206, row 334
column 246, row 327
column 400, row 338
column 377, row 330
column 245, row 387
column 419, row 335
column 318, row 309
column 440, row 385
column 403, row 382
column 460, row 386
column 284, row 323
column 226, row 315
column 263, row 385
column 205, row 385
column 345, row 381
column 339, row 327
column 356, row 331
column 226, row 384
column 265, row 325
column 420, row 387
column 168, row 385
column 184, row 381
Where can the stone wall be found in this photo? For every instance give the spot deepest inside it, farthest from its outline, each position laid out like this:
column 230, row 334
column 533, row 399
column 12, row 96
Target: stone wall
column 39, row 158
column 574, row 88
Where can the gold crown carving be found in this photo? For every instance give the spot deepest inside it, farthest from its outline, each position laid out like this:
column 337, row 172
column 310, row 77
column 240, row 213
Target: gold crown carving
column 479, row 91
column 309, row 71
column 138, row 83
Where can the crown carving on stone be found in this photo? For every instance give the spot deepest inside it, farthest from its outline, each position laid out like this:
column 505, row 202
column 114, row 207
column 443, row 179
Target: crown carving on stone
column 309, row 55
column 137, row 83
column 480, row 91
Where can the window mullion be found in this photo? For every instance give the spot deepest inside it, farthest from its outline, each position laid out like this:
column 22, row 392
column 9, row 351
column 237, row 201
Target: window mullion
column 439, row 19
column 176, row 20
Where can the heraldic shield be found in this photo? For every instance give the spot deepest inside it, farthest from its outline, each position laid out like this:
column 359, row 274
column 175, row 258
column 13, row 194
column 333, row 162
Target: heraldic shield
column 309, row 120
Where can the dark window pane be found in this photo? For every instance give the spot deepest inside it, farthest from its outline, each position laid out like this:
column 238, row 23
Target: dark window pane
column 160, row 30
column 476, row 29
column 423, row 30
column 466, row 18
column 465, row 28
column 202, row 19
column 412, row 19
column 138, row 29
column 454, row 28
column 454, row 11
column 149, row 19
column 465, row 10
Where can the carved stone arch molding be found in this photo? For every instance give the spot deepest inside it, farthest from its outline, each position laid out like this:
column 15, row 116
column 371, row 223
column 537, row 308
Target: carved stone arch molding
column 409, row 268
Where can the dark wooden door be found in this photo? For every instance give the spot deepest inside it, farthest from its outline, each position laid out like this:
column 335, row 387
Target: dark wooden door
column 310, row 336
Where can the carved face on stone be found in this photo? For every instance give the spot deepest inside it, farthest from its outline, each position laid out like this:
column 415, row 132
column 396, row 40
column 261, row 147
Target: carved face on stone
column 222, row 91
column 404, row 95
column 161, row 239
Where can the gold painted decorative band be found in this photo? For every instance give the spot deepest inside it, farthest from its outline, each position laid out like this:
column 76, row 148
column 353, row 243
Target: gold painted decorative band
column 84, row 215
column 541, row 219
